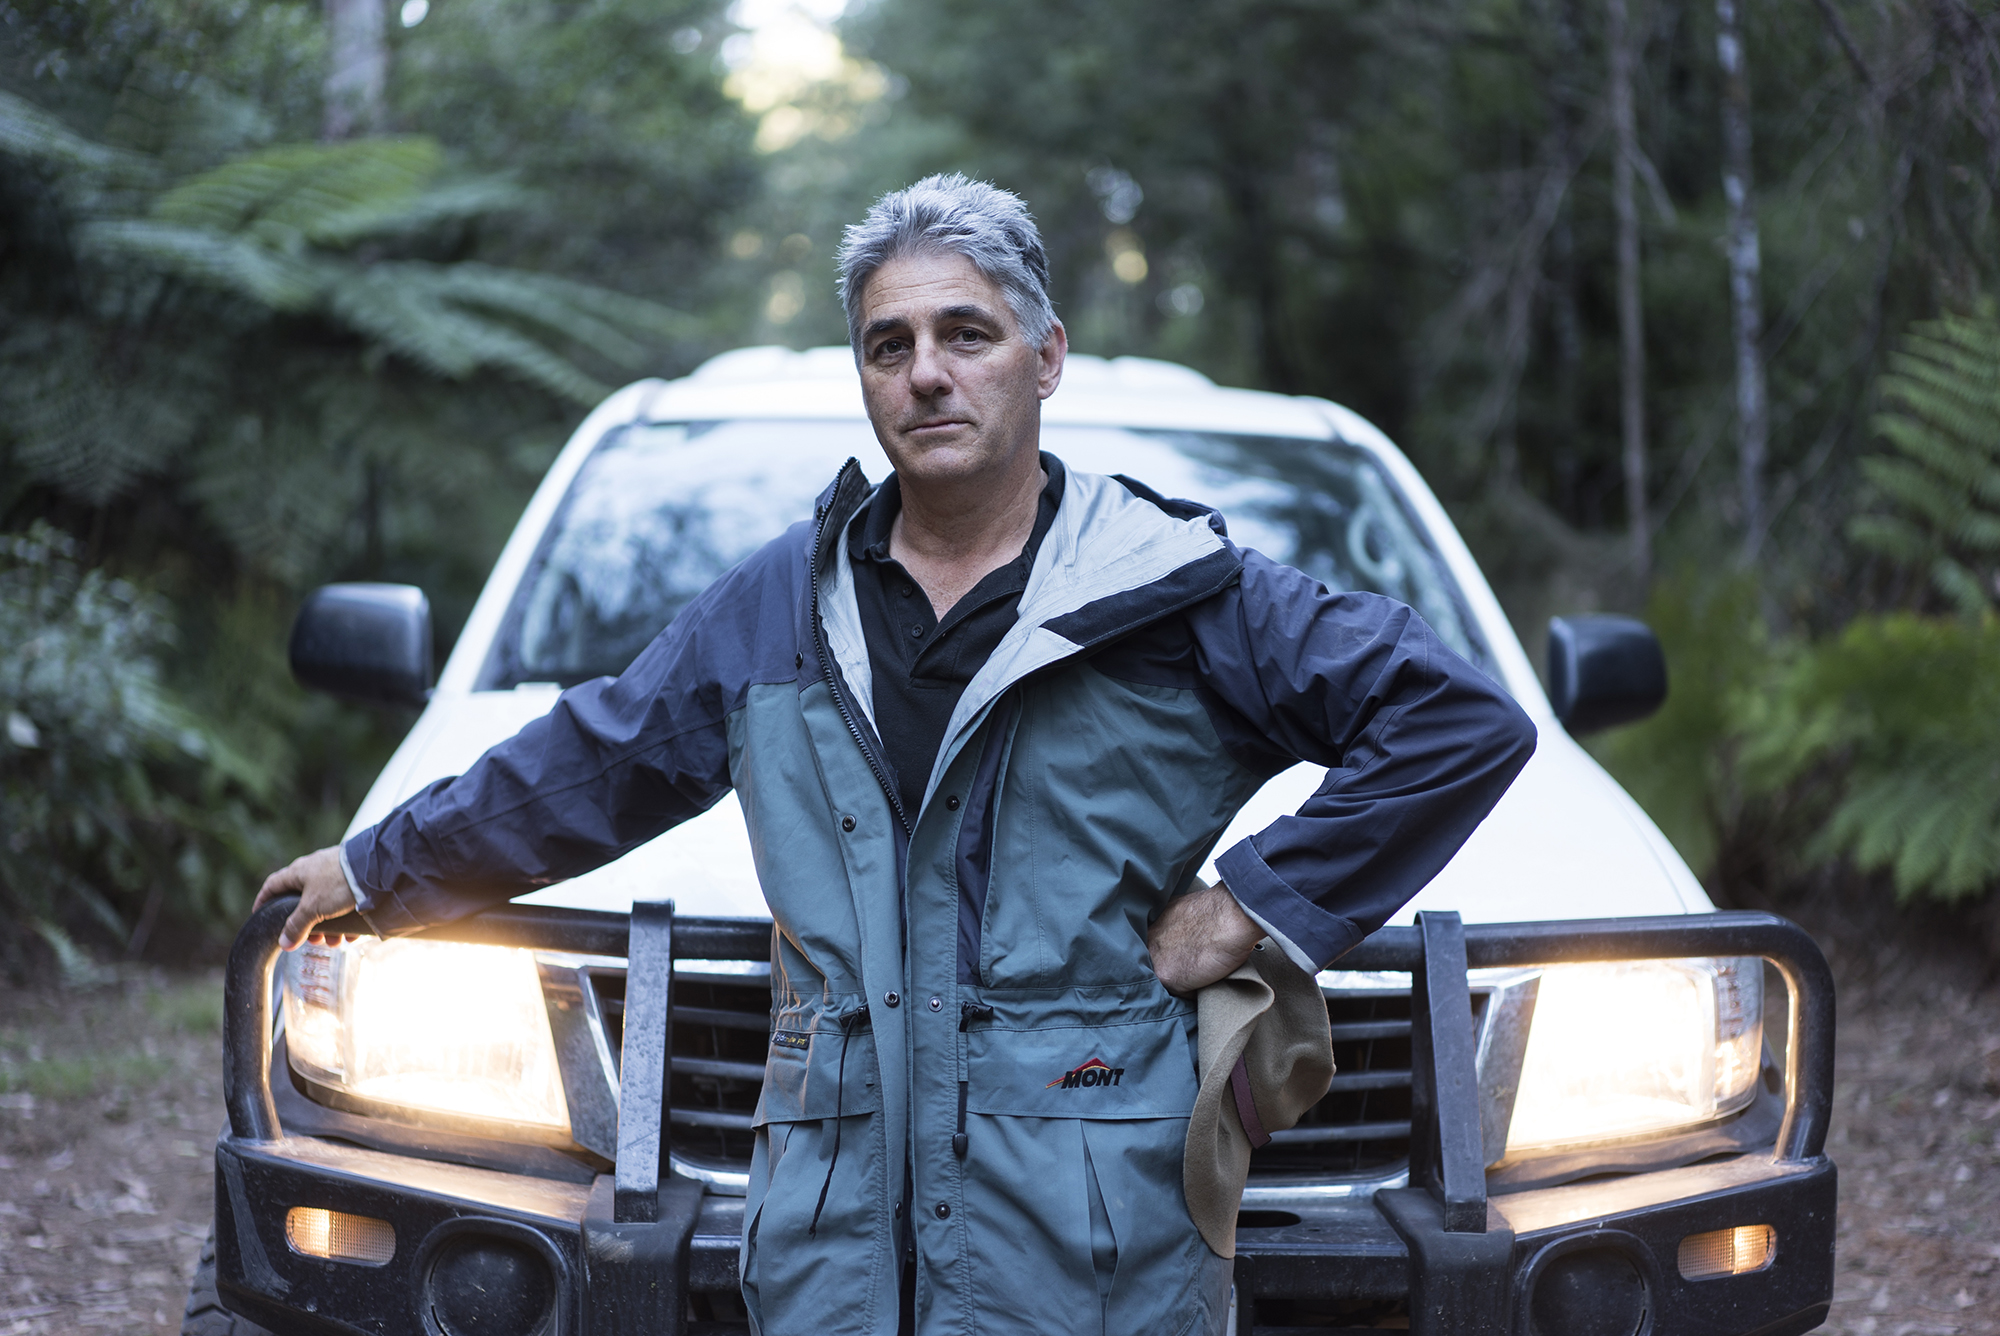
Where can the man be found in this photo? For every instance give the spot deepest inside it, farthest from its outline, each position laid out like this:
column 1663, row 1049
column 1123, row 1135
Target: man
column 986, row 720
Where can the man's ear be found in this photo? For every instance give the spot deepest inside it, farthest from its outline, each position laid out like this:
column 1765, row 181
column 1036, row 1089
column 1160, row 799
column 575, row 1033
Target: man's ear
column 1054, row 349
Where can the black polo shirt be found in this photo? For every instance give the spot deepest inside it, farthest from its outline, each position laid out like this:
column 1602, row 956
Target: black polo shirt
column 921, row 665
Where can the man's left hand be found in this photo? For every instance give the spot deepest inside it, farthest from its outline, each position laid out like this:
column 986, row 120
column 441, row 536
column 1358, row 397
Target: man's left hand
column 1202, row 937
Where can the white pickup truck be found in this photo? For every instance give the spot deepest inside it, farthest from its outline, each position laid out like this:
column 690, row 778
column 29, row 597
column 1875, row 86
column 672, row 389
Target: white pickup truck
column 1573, row 1099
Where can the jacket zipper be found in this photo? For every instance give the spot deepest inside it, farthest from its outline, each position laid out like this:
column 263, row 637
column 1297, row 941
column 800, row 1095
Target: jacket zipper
column 833, row 678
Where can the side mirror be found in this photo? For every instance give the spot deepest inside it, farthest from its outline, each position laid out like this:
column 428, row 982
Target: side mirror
column 365, row 642
column 1604, row 671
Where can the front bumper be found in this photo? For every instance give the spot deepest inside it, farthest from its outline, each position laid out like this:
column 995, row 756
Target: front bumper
column 1343, row 1252
column 641, row 1254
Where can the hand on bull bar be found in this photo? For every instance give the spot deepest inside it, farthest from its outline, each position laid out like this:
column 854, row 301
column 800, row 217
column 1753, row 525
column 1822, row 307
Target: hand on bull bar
column 317, row 879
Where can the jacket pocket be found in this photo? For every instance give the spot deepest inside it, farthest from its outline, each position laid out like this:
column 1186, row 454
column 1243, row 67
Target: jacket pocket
column 807, row 1272
column 1132, row 1069
column 818, row 1066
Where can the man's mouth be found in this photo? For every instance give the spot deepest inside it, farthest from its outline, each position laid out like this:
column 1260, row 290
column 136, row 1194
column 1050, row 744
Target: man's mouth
column 936, row 424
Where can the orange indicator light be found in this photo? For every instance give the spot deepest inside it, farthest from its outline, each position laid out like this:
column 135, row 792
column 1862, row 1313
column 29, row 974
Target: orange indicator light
column 339, row 1237
column 1728, row 1252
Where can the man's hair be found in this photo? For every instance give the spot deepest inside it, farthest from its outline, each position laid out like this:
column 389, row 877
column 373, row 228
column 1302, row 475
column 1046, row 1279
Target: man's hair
column 952, row 215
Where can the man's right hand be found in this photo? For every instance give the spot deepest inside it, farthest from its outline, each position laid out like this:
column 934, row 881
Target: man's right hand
column 322, row 890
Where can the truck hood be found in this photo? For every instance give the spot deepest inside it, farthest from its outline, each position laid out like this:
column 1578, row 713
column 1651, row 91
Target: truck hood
column 1564, row 843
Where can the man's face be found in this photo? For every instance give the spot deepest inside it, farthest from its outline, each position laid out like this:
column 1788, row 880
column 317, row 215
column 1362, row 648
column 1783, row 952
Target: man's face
column 952, row 387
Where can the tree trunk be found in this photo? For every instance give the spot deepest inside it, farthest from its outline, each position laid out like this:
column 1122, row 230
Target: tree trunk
column 1753, row 422
column 1631, row 324
column 358, row 71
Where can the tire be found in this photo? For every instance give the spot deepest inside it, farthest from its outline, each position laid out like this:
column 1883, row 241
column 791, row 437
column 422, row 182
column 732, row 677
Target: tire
column 205, row 1314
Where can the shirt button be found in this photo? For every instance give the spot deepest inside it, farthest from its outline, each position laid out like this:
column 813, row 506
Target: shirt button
column 847, row 823
column 951, row 803
column 917, row 632
column 893, row 999
column 935, row 1004
column 909, row 590
column 943, row 1211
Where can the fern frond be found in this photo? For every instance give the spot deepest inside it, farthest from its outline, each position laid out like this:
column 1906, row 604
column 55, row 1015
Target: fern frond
column 414, row 214
column 90, row 429
column 1928, row 493
column 1908, row 708
column 1891, row 535
column 407, row 316
column 282, row 282
column 1979, row 531
column 1960, row 585
column 285, row 195
column 589, row 316
column 29, row 133
column 633, row 315
column 1942, row 482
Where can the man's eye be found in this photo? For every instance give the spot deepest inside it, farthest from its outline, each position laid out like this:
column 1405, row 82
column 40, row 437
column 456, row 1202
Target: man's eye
column 968, row 336
column 889, row 348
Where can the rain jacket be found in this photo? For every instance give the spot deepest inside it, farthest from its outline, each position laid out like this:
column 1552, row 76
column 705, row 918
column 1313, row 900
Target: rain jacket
column 964, row 1014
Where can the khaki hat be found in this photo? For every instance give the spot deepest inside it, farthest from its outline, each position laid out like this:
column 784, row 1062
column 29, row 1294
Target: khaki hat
column 1266, row 1056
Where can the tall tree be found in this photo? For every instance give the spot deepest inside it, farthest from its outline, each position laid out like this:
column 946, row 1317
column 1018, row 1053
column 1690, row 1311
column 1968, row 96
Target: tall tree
column 357, row 74
column 1753, row 420
column 1631, row 321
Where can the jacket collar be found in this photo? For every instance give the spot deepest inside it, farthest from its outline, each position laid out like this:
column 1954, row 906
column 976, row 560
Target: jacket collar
column 1118, row 557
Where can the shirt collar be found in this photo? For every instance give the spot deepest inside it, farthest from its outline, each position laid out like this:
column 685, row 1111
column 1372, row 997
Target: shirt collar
column 868, row 536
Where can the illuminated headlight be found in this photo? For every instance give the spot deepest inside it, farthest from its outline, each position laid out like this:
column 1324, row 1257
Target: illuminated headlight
column 428, row 1030
column 1619, row 1051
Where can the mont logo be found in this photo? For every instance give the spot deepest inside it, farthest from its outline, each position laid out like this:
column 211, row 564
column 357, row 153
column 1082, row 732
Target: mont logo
column 1096, row 1072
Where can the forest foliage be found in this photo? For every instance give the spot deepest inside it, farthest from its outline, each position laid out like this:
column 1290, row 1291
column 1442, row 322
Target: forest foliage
column 246, row 348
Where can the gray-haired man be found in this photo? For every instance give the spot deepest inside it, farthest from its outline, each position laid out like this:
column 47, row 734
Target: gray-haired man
column 986, row 719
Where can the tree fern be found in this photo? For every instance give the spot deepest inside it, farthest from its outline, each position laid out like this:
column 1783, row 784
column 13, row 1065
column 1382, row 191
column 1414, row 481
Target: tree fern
column 1942, row 483
column 1899, row 717
column 278, row 229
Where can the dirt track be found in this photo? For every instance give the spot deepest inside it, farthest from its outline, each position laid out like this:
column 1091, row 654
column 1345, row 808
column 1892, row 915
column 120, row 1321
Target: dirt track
column 113, row 1097
column 1916, row 1118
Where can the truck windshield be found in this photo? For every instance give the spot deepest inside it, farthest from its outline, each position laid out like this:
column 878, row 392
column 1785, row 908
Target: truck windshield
column 659, row 510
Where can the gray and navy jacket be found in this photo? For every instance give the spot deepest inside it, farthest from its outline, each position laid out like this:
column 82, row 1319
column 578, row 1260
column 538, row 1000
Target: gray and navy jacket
column 966, row 988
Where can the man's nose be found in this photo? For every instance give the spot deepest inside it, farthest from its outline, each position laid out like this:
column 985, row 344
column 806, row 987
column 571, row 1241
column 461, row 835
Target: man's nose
column 930, row 372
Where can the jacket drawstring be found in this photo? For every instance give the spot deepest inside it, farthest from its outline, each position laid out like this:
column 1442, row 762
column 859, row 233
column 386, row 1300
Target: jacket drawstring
column 968, row 1012
column 846, row 1020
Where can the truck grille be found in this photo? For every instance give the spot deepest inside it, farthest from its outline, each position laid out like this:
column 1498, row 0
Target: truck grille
column 722, row 1031
column 722, row 1020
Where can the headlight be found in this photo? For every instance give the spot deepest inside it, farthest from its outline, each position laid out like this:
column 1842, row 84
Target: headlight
column 1638, row 1049
column 427, row 1029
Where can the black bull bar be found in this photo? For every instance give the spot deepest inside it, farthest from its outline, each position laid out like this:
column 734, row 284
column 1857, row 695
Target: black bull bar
column 1468, row 1268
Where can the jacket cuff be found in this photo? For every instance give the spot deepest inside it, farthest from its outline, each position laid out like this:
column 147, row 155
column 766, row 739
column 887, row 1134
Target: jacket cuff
column 384, row 913
column 363, row 902
column 1309, row 935
column 1292, row 950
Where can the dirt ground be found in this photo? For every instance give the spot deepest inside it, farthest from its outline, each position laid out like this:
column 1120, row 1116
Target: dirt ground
column 1916, row 1133
column 110, row 1101
column 110, row 1098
